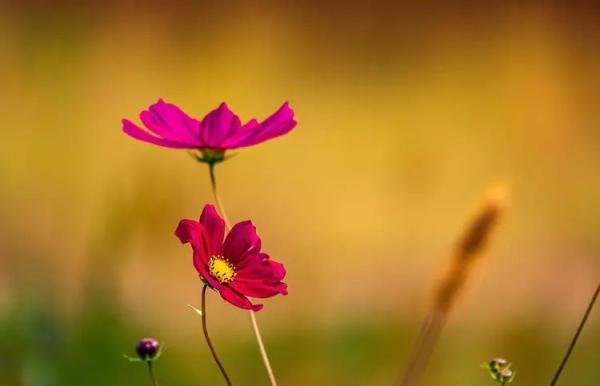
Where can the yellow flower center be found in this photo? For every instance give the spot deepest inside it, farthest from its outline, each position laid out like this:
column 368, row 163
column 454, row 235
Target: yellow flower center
column 221, row 269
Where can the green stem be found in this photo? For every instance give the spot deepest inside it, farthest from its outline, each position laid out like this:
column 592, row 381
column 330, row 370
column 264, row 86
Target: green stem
column 208, row 341
column 152, row 376
column 577, row 333
column 213, row 182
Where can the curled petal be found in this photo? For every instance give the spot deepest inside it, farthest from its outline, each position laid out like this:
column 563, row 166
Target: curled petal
column 238, row 300
column 190, row 231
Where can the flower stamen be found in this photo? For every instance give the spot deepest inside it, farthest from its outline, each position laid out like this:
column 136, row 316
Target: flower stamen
column 221, row 269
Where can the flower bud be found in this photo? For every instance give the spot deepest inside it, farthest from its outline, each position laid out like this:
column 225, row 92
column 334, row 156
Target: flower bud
column 147, row 349
column 505, row 375
column 497, row 364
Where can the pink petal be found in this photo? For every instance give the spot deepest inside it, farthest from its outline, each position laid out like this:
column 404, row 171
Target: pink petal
column 170, row 122
column 218, row 125
column 136, row 132
column 238, row 299
column 279, row 123
column 243, row 132
column 241, row 242
column 215, row 229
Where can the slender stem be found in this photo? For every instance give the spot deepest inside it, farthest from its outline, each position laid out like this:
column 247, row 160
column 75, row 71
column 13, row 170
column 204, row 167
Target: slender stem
column 428, row 336
column 212, row 349
column 577, row 333
column 213, row 181
column 152, row 376
column 261, row 345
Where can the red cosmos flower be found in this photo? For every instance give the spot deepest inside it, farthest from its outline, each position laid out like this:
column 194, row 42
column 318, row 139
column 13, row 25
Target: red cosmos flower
column 235, row 267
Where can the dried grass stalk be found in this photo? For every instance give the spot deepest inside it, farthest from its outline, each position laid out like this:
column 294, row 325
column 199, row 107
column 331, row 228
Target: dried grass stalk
column 448, row 288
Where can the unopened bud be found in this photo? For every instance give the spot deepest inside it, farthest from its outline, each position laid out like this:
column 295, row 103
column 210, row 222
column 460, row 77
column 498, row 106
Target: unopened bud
column 147, row 349
column 497, row 364
column 505, row 375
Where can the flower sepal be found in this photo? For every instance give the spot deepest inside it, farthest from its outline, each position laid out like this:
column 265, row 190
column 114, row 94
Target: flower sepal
column 209, row 156
column 206, row 283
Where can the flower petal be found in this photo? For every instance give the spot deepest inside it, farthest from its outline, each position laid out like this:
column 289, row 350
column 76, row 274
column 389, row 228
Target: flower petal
column 136, row 132
column 215, row 229
column 279, row 123
column 218, row 125
column 245, row 131
column 262, row 267
column 190, row 231
column 241, row 242
column 258, row 288
column 170, row 122
column 238, row 300
column 277, row 269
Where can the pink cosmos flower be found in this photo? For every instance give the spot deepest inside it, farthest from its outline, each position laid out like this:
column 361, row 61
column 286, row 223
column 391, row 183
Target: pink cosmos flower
column 236, row 267
column 167, row 125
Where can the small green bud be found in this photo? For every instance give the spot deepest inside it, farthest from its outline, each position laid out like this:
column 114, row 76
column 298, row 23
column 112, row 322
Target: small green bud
column 499, row 370
column 505, row 376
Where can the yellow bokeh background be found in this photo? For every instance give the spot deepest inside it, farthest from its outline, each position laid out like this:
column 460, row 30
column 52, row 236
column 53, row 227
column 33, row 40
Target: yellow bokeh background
column 406, row 115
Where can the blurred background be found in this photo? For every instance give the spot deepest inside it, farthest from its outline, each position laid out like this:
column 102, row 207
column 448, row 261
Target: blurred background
column 406, row 114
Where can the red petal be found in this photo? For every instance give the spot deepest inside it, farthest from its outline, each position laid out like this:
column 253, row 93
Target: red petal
column 215, row 230
column 241, row 240
column 238, row 299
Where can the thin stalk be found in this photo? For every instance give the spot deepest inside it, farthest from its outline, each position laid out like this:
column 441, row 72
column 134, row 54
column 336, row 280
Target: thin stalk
column 261, row 345
column 210, row 345
column 468, row 250
column 152, row 376
column 577, row 333
column 213, row 182
column 428, row 336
